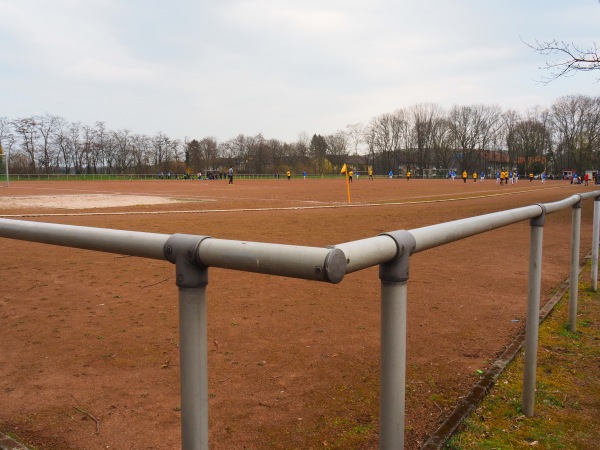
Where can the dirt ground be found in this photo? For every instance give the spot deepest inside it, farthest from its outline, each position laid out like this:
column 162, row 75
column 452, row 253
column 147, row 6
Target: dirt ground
column 89, row 355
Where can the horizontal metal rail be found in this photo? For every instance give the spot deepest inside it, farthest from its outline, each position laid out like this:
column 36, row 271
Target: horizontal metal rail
column 310, row 263
column 133, row 243
column 364, row 253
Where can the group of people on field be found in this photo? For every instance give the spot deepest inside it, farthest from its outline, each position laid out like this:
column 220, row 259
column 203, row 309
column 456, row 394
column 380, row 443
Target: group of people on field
column 504, row 176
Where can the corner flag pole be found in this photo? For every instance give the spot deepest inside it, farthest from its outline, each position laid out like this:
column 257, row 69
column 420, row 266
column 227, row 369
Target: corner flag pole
column 345, row 171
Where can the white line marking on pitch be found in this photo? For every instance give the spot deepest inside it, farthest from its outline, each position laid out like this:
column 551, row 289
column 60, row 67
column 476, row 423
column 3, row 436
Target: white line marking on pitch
column 282, row 208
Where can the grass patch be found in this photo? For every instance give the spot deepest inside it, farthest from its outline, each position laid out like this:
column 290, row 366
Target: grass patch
column 567, row 402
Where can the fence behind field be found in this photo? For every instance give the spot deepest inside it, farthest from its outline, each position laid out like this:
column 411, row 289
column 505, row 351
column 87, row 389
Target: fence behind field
column 173, row 176
column 192, row 255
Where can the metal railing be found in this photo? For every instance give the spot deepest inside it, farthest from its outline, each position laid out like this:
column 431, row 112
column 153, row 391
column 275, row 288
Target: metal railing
column 193, row 255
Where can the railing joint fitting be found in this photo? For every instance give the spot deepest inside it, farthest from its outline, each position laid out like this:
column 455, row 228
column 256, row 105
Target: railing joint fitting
column 397, row 269
column 539, row 221
column 182, row 250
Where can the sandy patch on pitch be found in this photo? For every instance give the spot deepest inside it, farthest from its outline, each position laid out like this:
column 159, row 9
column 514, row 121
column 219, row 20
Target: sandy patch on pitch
column 86, row 201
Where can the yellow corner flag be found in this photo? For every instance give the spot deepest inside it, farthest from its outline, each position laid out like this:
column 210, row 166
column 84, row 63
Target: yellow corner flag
column 345, row 170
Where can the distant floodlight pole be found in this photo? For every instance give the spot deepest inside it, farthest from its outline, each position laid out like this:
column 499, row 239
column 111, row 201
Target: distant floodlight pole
column 6, row 164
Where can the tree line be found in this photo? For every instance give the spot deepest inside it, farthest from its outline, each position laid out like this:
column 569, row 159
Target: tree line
column 423, row 138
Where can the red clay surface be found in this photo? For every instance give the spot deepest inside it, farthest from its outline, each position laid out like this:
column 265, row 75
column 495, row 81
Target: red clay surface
column 292, row 363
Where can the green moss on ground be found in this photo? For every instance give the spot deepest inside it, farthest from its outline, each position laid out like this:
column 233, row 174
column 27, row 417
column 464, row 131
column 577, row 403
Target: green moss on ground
column 567, row 401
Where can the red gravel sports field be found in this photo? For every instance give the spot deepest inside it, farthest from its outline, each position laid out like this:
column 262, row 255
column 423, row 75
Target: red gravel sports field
column 89, row 348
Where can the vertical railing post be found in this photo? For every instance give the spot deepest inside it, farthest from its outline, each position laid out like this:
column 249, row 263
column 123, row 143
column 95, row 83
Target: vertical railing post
column 574, row 278
column 595, row 243
column 533, row 312
column 394, row 277
column 191, row 279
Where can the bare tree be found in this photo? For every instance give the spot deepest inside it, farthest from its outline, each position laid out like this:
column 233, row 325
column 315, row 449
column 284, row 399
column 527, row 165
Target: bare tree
column 26, row 130
column 209, row 149
column 101, row 148
column 441, row 143
column 468, row 127
column 176, row 147
column 425, row 118
column 161, row 152
column 571, row 58
column 302, row 144
column 88, row 146
column 355, row 134
column 123, row 153
column 259, row 157
column 7, row 138
column 507, row 136
column 45, row 126
column 140, row 153
column 576, row 120
column 5, row 130
column 76, row 147
column 61, row 139
column 490, row 130
column 384, row 137
column 337, row 149
column 276, row 151
column 318, row 152
column 527, row 138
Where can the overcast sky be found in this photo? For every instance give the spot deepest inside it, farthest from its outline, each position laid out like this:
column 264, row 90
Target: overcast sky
column 193, row 68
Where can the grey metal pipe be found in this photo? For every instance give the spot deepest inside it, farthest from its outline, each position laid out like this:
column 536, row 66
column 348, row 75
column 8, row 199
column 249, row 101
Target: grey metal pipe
column 368, row 252
column 311, row 263
column 365, row 253
column 393, row 364
column 443, row 233
column 133, row 243
column 588, row 195
column 377, row 250
column 380, row 249
column 562, row 204
column 595, row 243
column 533, row 321
column 194, row 368
column 574, row 277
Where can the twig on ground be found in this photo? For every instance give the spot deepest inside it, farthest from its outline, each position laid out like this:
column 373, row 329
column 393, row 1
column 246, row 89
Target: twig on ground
column 93, row 418
column 441, row 410
column 154, row 284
